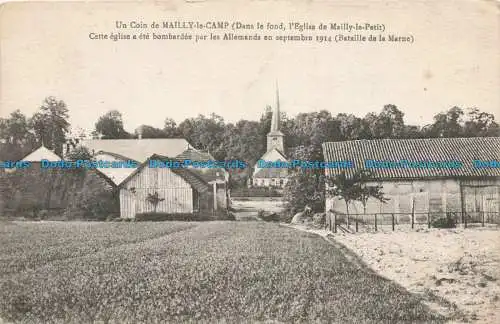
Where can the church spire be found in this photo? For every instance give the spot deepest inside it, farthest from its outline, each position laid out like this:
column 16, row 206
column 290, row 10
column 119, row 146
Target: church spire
column 275, row 120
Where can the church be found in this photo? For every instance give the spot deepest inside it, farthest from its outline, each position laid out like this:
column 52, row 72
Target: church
column 272, row 177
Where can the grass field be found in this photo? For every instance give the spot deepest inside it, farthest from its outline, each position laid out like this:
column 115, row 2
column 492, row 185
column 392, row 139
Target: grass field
column 178, row 272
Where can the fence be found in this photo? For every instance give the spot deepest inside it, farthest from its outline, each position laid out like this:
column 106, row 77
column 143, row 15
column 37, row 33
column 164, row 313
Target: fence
column 378, row 221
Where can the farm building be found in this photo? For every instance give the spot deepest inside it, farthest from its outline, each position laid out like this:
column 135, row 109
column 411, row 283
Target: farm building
column 182, row 191
column 57, row 191
column 464, row 185
column 141, row 150
column 137, row 150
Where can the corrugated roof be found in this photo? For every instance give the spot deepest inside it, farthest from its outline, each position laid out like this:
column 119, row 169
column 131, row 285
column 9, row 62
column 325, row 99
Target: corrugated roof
column 464, row 150
column 138, row 149
column 42, row 153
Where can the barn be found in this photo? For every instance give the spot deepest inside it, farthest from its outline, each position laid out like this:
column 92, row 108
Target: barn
column 438, row 175
column 56, row 192
column 173, row 191
column 134, row 150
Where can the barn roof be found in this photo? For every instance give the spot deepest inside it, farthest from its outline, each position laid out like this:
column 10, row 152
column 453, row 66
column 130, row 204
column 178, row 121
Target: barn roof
column 464, row 150
column 208, row 174
column 41, row 153
column 117, row 175
column 138, row 149
column 196, row 182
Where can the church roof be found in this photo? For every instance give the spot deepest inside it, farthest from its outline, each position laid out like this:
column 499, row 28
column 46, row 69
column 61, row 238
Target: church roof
column 267, row 173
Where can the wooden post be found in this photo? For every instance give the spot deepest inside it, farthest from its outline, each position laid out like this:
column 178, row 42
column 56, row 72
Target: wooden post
column 429, row 219
column 215, row 196
column 356, row 224
column 482, row 218
column 413, row 212
column 375, row 222
column 393, row 221
column 462, row 204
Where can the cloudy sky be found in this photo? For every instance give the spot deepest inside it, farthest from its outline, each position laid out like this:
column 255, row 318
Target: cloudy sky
column 45, row 50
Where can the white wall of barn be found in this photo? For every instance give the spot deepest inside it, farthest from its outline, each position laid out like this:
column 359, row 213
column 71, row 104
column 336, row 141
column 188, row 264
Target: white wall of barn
column 176, row 192
column 435, row 196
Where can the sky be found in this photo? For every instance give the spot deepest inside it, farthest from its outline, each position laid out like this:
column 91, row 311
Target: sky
column 45, row 50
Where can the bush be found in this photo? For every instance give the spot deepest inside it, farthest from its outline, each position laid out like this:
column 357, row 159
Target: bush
column 255, row 192
column 444, row 222
column 319, row 218
column 286, row 217
column 159, row 217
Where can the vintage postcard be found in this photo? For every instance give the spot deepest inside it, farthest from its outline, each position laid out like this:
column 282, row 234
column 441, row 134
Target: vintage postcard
column 250, row 161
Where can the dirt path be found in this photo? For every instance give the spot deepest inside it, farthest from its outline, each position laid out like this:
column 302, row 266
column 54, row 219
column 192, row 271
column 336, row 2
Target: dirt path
column 246, row 209
column 457, row 271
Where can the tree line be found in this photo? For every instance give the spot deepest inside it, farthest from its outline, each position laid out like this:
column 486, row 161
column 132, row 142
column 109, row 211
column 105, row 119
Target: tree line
column 245, row 139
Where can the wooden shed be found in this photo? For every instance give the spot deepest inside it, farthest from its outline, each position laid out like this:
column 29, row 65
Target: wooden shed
column 177, row 191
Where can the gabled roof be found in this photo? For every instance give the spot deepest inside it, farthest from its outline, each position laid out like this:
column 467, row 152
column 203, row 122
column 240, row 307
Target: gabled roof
column 138, row 149
column 42, row 153
column 208, row 174
column 196, row 182
column 275, row 149
column 194, row 155
column 464, row 150
column 116, row 175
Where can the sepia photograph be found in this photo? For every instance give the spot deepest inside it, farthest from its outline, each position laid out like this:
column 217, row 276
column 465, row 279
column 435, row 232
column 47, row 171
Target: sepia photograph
column 250, row 161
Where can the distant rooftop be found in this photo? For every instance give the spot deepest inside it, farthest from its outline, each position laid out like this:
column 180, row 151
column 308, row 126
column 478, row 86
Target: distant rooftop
column 138, row 149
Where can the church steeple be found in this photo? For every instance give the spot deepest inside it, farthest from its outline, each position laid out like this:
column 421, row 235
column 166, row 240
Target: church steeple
column 275, row 121
column 275, row 136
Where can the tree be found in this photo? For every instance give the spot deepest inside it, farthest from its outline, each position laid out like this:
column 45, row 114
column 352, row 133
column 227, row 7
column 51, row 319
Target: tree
column 170, row 128
column 480, row 124
column 305, row 187
column 16, row 137
column 447, row 124
column 149, row 132
column 366, row 192
column 51, row 124
column 79, row 153
column 154, row 200
column 354, row 188
column 110, row 125
column 205, row 133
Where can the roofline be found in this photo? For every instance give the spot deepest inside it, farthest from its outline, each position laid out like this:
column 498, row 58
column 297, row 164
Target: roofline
column 478, row 138
column 41, row 145
column 445, row 177
column 116, row 155
column 160, row 157
column 106, row 178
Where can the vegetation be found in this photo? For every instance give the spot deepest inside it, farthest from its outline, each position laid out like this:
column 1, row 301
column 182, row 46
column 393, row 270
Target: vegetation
column 444, row 222
column 154, row 199
column 354, row 188
column 177, row 272
column 246, row 140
